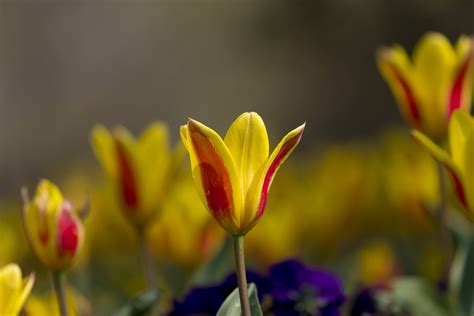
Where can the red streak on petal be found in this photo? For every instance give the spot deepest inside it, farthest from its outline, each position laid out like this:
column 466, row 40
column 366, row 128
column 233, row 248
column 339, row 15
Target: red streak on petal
column 68, row 237
column 414, row 114
column 284, row 150
column 127, row 177
column 214, row 175
column 455, row 98
column 458, row 187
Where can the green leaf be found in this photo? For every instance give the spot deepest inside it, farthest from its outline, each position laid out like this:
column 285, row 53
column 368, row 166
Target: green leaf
column 417, row 298
column 217, row 268
column 231, row 305
column 462, row 275
column 140, row 305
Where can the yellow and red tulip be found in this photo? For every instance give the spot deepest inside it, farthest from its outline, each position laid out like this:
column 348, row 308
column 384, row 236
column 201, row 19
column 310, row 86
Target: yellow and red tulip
column 459, row 161
column 140, row 170
column 437, row 81
column 233, row 175
column 53, row 227
column 13, row 289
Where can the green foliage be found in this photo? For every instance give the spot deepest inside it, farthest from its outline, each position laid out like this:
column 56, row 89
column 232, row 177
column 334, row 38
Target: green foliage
column 140, row 305
column 231, row 305
column 416, row 297
column 462, row 275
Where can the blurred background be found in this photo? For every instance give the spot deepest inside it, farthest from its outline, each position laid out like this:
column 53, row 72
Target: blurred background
column 356, row 189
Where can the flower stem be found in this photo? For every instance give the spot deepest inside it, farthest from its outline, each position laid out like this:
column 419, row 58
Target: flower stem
column 147, row 261
column 59, row 287
column 241, row 274
column 446, row 241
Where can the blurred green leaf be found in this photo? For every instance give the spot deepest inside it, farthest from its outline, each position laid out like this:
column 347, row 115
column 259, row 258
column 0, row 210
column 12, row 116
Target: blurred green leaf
column 462, row 275
column 140, row 305
column 417, row 298
column 217, row 268
column 231, row 305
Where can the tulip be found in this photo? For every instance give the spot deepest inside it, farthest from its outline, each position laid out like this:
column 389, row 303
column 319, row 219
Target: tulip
column 141, row 171
column 13, row 289
column 54, row 230
column 233, row 176
column 459, row 160
column 437, row 81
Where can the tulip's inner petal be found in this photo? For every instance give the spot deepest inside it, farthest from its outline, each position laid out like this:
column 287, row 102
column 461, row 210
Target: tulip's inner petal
column 215, row 174
column 247, row 141
column 460, row 95
column 443, row 157
column 68, row 232
column 257, row 197
column 126, row 176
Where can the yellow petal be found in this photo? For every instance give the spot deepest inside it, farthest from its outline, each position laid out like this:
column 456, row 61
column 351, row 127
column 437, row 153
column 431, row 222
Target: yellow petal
column 214, row 173
column 434, row 61
column 257, row 196
column 13, row 290
column 457, row 177
column 469, row 167
column 247, row 141
column 153, row 160
column 104, row 149
column 460, row 126
column 395, row 67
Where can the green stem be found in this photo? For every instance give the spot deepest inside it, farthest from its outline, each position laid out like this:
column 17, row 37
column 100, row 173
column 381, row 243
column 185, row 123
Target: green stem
column 147, row 261
column 446, row 241
column 59, row 287
column 241, row 274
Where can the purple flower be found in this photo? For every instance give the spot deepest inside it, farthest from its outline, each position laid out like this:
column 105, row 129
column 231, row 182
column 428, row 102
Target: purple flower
column 290, row 288
column 364, row 303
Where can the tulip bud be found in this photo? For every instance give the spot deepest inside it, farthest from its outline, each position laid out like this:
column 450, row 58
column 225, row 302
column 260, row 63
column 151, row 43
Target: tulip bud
column 53, row 227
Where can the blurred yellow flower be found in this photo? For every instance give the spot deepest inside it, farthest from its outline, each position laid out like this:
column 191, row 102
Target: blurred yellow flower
column 47, row 305
column 199, row 236
column 437, row 81
column 459, row 162
column 376, row 264
column 53, row 228
column 233, row 175
column 13, row 289
column 141, row 171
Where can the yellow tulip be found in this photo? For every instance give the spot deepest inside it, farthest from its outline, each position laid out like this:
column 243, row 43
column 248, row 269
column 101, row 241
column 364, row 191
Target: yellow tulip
column 13, row 289
column 53, row 228
column 437, row 81
column 459, row 161
column 140, row 170
column 233, row 175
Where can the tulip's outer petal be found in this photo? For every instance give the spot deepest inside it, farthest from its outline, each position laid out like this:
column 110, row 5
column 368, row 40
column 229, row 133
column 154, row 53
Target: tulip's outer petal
column 127, row 164
column 70, row 233
column 469, row 168
column 153, row 161
column 40, row 217
column 434, row 59
column 214, row 173
column 247, row 141
column 460, row 96
column 257, row 196
column 396, row 69
column 460, row 125
column 104, row 148
column 444, row 158
column 13, row 290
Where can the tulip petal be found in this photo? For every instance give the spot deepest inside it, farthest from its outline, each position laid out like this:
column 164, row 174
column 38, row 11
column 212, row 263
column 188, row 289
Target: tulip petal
column 68, row 231
column 10, row 288
column 257, row 196
column 214, row 173
column 460, row 126
column 103, row 145
column 395, row 66
column 444, row 158
column 469, row 167
column 460, row 95
column 247, row 141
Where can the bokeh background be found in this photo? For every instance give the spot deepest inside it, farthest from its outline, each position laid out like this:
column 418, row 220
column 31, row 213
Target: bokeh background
column 356, row 188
